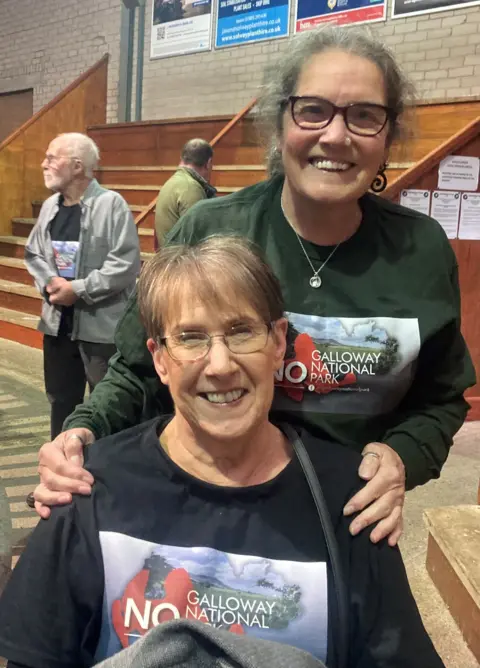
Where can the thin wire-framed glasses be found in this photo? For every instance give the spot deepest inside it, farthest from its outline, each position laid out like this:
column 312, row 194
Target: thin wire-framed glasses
column 361, row 118
column 190, row 346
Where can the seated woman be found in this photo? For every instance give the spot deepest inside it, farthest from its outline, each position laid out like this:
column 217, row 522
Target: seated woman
column 207, row 515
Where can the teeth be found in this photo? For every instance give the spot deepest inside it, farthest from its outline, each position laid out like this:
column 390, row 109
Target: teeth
column 224, row 398
column 330, row 165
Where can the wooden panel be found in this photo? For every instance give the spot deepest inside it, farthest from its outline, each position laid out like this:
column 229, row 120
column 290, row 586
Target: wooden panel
column 145, row 176
column 474, row 412
column 468, row 257
column 135, row 196
column 461, row 605
column 151, row 143
column 82, row 103
column 16, row 302
column 147, row 244
column 237, row 178
column 25, row 335
column 21, row 227
column 15, row 109
column 36, row 206
column 149, row 222
column 133, row 177
column 16, row 274
column 11, row 250
column 432, row 125
column 160, row 142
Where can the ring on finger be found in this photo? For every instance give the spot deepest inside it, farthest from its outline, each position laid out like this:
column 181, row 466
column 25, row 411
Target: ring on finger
column 373, row 454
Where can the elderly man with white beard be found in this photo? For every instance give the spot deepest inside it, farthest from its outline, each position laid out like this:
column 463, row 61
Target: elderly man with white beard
column 84, row 255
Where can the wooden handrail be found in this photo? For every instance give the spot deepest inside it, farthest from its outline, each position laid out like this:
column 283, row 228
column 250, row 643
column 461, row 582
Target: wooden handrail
column 243, row 112
column 233, row 122
column 432, row 159
column 53, row 102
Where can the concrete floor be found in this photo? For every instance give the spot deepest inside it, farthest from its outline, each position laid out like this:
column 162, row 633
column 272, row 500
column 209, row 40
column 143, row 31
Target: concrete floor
column 24, row 426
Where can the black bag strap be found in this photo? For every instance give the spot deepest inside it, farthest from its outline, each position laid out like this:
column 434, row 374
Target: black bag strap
column 342, row 635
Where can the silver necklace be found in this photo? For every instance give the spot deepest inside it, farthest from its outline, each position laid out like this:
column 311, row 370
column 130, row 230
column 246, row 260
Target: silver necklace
column 315, row 281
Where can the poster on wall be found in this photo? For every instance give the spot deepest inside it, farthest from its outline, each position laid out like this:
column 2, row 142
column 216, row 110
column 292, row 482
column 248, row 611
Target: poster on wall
column 311, row 13
column 242, row 22
column 404, row 8
column 446, row 210
column 180, row 27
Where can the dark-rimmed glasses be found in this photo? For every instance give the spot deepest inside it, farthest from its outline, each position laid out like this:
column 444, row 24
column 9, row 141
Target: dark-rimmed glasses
column 361, row 118
column 190, row 346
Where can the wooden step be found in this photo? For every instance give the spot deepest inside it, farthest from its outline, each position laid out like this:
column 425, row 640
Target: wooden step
column 21, row 227
column 453, row 563
column 237, row 175
column 146, row 237
column 145, row 257
column 14, row 269
column 36, row 206
column 396, row 169
column 20, row 297
column 11, row 246
column 136, row 194
column 20, row 327
column 223, row 176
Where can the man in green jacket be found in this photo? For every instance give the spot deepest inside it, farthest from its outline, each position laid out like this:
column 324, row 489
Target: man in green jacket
column 186, row 187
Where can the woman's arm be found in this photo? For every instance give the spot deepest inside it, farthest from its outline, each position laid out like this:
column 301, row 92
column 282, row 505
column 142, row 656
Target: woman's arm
column 434, row 409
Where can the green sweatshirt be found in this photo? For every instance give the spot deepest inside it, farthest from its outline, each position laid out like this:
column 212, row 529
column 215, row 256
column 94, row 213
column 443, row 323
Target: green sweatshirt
column 375, row 354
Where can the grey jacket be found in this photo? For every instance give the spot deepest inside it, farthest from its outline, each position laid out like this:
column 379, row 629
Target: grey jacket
column 191, row 644
column 106, row 268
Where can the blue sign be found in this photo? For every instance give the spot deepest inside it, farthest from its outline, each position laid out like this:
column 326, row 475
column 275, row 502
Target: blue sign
column 243, row 21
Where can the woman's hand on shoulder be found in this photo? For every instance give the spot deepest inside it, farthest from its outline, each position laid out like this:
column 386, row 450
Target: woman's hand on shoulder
column 381, row 500
column 61, row 472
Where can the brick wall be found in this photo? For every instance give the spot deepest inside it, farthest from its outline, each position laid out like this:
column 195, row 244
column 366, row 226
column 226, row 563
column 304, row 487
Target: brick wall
column 441, row 52
column 46, row 44
column 44, row 47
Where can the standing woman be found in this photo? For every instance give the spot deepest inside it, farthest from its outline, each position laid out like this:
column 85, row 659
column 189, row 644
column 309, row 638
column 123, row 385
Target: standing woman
column 376, row 360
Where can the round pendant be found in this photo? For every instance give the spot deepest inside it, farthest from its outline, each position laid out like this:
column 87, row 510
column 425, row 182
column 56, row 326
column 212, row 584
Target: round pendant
column 315, row 281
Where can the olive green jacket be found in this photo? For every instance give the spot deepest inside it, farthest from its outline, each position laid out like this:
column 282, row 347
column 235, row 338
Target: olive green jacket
column 178, row 194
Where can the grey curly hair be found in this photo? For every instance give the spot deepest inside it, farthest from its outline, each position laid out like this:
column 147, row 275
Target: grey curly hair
column 280, row 81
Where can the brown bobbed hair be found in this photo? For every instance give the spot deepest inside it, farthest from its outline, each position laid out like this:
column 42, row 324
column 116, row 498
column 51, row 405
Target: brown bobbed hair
column 223, row 271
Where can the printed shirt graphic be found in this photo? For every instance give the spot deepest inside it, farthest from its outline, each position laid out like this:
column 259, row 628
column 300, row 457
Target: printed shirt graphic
column 147, row 584
column 65, row 253
column 347, row 365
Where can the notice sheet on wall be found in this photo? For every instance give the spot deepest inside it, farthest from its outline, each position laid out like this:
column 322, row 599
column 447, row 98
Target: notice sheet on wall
column 418, row 200
column 459, row 172
column 446, row 209
column 469, row 227
column 180, row 27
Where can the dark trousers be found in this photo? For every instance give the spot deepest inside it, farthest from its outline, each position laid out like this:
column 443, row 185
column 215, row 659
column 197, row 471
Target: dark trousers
column 68, row 366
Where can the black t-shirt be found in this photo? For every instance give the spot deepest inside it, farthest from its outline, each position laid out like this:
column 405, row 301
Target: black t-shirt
column 153, row 543
column 65, row 235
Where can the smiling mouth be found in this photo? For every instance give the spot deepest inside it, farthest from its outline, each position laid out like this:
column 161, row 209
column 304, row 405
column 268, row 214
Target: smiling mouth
column 223, row 397
column 330, row 165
